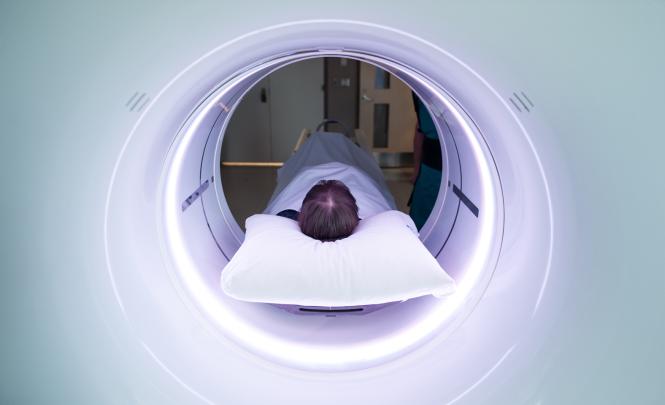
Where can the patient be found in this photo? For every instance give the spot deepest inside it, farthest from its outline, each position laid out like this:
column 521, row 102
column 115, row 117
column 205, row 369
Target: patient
column 334, row 189
column 329, row 185
column 329, row 211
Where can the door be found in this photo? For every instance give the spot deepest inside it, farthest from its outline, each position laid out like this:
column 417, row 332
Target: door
column 341, row 94
column 386, row 114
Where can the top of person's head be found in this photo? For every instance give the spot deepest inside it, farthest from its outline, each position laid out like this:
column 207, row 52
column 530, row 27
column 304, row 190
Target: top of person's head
column 329, row 211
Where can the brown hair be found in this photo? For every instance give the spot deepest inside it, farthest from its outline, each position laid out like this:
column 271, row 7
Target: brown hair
column 329, row 211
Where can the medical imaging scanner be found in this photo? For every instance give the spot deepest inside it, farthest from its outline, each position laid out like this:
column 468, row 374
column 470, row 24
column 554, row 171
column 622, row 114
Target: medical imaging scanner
column 549, row 215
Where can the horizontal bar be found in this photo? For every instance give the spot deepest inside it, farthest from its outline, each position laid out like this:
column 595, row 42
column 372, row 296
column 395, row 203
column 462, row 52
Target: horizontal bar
column 252, row 164
column 330, row 310
column 385, row 161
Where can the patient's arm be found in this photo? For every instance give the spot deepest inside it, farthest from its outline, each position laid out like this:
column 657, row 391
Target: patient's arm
column 291, row 214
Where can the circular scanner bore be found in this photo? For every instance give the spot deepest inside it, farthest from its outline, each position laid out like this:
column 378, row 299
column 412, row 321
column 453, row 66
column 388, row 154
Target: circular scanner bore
column 457, row 220
column 186, row 238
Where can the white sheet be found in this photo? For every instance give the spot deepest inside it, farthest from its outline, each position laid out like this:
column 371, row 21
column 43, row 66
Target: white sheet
column 331, row 156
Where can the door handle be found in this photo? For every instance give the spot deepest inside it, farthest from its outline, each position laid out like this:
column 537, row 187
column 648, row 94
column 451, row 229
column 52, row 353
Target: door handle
column 264, row 95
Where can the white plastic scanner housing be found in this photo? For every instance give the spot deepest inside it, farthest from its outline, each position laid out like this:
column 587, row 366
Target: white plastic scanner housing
column 169, row 231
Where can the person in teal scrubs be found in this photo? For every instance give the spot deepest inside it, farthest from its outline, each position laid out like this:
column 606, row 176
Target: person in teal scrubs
column 427, row 165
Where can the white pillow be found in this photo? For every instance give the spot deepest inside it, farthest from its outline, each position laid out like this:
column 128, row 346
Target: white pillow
column 382, row 261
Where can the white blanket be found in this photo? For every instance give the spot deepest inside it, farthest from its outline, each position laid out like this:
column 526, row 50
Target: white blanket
column 331, row 156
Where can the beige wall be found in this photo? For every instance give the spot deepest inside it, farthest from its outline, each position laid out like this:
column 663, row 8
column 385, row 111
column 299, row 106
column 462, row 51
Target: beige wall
column 267, row 131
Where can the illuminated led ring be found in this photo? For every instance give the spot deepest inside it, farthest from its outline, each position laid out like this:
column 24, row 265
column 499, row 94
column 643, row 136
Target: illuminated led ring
column 177, row 267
